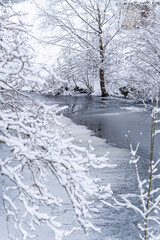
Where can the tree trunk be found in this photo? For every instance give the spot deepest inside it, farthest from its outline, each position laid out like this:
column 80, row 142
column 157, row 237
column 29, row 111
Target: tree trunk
column 153, row 128
column 101, row 70
column 101, row 52
column 102, row 83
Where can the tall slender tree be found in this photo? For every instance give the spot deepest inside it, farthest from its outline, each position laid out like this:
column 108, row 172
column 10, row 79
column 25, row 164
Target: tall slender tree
column 83, row 26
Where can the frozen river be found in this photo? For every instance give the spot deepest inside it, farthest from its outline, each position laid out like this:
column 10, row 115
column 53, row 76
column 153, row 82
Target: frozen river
column 112, row 119
column 108, row 121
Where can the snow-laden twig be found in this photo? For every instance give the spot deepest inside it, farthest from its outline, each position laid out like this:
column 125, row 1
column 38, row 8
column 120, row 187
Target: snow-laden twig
column 148, row 198
column 34, row 137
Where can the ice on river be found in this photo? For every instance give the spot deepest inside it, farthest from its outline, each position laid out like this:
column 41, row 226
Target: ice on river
column 134, row 109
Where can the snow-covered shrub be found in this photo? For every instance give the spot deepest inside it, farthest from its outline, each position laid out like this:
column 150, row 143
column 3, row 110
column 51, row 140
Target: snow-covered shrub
column 140, row 63
column 52, row 82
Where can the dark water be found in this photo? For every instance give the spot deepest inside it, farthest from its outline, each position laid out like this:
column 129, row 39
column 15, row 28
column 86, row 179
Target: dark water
column 112, row 119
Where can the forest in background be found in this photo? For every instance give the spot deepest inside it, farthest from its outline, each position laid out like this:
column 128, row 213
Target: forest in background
column 107, row 48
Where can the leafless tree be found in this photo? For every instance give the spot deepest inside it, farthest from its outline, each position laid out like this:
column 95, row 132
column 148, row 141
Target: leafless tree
column 83, row 26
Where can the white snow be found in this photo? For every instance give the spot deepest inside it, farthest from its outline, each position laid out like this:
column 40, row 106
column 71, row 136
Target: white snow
column 134, row 109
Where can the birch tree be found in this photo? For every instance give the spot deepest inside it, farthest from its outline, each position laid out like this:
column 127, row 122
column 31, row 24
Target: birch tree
column 83, row 26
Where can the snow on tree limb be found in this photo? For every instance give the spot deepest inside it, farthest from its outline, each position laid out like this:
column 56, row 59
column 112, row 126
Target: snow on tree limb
column 148, row 197
column 38, row 149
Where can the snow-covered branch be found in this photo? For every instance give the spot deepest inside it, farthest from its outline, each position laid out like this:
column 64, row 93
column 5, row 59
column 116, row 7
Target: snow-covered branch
column 39, row 147
column 148, row 196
